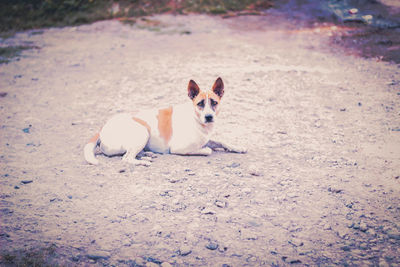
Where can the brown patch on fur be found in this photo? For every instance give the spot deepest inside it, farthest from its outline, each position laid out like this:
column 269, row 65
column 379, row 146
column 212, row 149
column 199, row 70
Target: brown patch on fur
column 94, row 138
column 203, row 95
column 165, row 123
column 142, row 122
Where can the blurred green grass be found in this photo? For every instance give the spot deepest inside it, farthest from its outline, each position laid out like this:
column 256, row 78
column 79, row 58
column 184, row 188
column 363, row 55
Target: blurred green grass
column 32, row 14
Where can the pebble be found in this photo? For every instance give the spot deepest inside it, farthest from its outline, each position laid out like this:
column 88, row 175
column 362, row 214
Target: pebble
column 96, row 257
column 255, row 171
column 343, row 233
column 212, row 246
column 353, row 11
column 26, row 181
column 27, row 129
column 152, row 260
column 151, row 264
column 291, row 260
column 251, row 259
column 248, row 234
column 363, row 226
column 393, row 234
column 207, row 211
column 166, row 264
column 246, row 190
column 222, row 249
column 190, row 172
column 345, row 248
column 233, row 165
column 220, row 204
column 16, row 187
column 296, row 242
column 184, row 250
column 335, row 190
column 327, row 227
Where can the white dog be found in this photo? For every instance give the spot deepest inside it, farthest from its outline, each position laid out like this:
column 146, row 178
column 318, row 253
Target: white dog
column 182, row 129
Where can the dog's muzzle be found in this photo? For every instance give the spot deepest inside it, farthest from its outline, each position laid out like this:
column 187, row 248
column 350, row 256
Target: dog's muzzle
column 209, row 118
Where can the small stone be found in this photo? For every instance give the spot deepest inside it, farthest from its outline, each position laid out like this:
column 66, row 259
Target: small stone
column 393, row 234
column 296, row 242
column 327, row 227
column 16, row 187
column 184, row 250
column 343, row 233
column 207, row 211
column 190, row 172
column 166, row 264
column 26, row 181
column 246, row 190
column 335, row 190
column 151, row 264
column 291, row 260
column 222, row 249
column 233, row 165
column 97, row 257
column 152, row 260
column 353, row 11
column 248, row 234
column 368, row 18
column 363, row 226
column 255, row 171
column 212, row 246
column 345, row 248
column 251, row 259
column 220, row 204
column 371, row 232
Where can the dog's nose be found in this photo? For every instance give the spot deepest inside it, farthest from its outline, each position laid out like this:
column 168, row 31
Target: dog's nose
column 209, row 118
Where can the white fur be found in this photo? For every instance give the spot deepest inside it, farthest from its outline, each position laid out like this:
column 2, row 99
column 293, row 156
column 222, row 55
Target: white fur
column 89, row 153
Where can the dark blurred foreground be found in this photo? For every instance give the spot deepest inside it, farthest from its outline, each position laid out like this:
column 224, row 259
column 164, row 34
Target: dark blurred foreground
column 28, row 14
column 375, row 24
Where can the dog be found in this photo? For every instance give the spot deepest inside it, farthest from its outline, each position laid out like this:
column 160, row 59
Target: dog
column 183, row 129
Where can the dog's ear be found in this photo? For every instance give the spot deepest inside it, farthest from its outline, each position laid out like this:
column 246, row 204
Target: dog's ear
column 193, row 89
column 218, row 87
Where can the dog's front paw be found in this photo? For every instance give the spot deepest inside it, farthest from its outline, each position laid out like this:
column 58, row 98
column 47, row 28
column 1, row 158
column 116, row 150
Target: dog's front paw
column 206, row 151
column 237, row 149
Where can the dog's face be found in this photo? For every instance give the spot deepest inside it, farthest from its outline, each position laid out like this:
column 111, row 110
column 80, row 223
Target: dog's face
column 206, row 103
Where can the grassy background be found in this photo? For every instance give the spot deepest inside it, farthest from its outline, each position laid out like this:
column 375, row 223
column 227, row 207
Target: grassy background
column 30, row 14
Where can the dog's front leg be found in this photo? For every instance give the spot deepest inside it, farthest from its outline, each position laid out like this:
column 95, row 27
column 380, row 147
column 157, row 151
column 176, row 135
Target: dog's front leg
column 214, row 145
column 205, row 151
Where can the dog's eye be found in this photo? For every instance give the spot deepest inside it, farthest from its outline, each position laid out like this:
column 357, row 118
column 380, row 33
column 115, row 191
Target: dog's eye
column 201, row 104
column 213, row 103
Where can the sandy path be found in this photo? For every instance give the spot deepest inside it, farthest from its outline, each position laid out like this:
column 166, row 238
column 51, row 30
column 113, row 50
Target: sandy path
column 320, row 184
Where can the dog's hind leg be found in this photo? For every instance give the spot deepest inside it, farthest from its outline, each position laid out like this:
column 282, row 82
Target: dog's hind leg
column 134, row 145
column 89, row 150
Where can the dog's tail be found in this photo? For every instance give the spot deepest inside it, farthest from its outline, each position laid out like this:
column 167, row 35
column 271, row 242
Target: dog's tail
column 89, row 149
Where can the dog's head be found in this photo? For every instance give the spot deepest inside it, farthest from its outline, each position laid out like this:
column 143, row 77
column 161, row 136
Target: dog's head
column 206, row 103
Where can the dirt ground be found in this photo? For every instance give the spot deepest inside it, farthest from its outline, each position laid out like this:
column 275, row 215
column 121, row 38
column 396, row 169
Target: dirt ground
column 318, row 186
